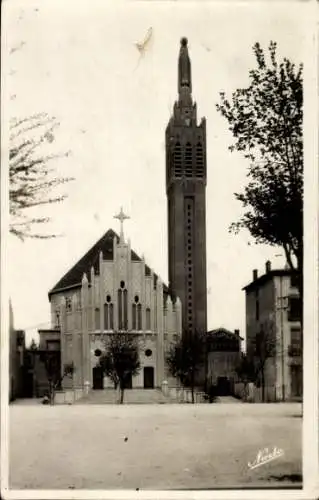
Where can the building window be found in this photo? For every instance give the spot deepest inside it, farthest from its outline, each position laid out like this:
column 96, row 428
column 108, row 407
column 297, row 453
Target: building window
column 134, row 316
column 295, row 337
column 148, row 318
column 139, row 316
column 148, row 353
column 178, row 160
column 111, row 317
column 294, row 348
column 122, row 307
column 199, row 160
column 188, row 160
column 294, row 281
column 53, row 345
column 97, row 318
column 294, row 309
column 257, row 308
column 108, row 316
column 57, row 319
column 68, row 304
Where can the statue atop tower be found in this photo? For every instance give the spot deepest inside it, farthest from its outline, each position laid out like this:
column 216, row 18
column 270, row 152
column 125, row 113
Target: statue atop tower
column 184, row 72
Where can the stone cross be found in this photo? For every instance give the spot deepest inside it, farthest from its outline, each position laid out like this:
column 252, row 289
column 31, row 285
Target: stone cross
column 121, row 217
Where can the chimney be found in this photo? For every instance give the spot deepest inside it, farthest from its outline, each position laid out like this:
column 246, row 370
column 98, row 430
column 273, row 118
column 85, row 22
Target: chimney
column 236, row 332
column 255, row 274
column 268, row 266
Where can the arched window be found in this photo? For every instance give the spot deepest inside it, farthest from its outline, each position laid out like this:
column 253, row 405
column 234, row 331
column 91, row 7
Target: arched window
column 108, row 314
column 139, row 317
column 97, row 318
column 134, row 316
column 148, row 318
column 122, row 307
column 188, row 160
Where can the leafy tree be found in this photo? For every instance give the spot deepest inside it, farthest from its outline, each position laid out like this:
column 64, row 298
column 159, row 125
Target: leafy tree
column 264, row 348
column 32, row 181
column 33, row 345
column 266, row 123
column 186, row 357
column 51, row 361
column 246, row 372
column 120, row 361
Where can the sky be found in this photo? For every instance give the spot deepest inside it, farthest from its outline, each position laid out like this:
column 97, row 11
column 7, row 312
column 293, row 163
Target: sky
column 78, row 62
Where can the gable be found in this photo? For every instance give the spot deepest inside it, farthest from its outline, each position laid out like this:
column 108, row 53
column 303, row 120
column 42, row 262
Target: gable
column 73, row 278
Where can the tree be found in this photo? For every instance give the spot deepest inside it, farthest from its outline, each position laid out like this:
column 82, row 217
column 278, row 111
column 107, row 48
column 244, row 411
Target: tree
column 120, row 361
column 33, row 345
column 264, row 346
column 32, row 181
column 185, row 358
column 266, row 122
column 51, row 361
column 246, row 372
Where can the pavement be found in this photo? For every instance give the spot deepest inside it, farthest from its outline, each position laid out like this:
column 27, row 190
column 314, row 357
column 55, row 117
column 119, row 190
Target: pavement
column 153, row 446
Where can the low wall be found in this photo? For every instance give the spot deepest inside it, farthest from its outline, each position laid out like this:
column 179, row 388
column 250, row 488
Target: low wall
column 69, row 396
column 182, row 395
column 253, row 394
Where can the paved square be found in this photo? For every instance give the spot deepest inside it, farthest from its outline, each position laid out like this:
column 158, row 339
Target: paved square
column 167, row 446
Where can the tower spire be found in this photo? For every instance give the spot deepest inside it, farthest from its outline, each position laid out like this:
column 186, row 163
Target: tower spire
column 184, row 71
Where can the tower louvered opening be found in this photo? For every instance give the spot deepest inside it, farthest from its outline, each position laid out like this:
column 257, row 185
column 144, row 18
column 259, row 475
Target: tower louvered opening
column 178, row 160
column 199, row 160
column 188, row 160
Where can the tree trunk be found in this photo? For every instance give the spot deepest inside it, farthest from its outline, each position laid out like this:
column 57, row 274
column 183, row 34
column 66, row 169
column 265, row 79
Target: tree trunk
column 122, row 388
column 192, row 387
column 262, row 385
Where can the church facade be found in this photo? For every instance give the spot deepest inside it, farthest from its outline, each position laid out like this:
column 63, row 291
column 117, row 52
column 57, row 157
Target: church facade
column 111, row 289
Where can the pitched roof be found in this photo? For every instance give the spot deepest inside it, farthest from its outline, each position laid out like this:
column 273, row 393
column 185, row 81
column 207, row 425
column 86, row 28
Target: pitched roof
column 264, row 278
column 223, row 332
column 73, row 278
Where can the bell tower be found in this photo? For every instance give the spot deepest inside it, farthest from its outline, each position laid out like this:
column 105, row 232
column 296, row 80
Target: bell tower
column 186, row 197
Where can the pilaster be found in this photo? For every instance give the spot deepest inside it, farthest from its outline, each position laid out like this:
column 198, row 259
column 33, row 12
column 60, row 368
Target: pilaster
column 129, row 286
column 101, row 292
column 85, row 331
column 116, row 285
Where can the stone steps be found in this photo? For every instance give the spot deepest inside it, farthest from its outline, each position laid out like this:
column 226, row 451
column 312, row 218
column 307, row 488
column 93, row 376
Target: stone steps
column 131, row 396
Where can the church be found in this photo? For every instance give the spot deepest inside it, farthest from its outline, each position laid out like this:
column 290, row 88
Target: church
column 111, row 289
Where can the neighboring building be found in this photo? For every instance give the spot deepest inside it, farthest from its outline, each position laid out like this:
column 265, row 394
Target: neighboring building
column 273, row 304
column 223, row 357
column 111, row 289
column 35, row 379
column 16, row 358
column 185, row 188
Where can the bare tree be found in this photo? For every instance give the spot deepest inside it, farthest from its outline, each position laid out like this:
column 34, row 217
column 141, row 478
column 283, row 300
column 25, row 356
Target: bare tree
column 32, row 174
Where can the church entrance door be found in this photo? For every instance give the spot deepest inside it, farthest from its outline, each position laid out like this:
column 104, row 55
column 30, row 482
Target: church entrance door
column 97, row 378
column 148, row 377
